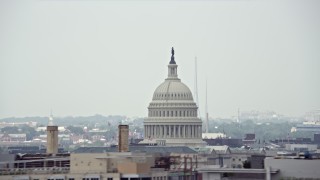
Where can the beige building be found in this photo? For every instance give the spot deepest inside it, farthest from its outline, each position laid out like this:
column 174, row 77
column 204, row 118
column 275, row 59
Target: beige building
column 95, row 166
column 105, row 163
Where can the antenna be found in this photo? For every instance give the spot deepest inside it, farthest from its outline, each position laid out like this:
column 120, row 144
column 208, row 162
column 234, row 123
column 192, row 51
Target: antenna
column 207, row 115
column 238, row 119
column 50, row 123
column 196, row 85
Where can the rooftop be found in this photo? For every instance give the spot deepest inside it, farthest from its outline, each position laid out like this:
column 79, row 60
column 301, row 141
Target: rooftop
column 147, row 149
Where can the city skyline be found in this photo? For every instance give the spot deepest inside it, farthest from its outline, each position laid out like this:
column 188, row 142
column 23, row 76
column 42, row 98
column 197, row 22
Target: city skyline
column 105, row 57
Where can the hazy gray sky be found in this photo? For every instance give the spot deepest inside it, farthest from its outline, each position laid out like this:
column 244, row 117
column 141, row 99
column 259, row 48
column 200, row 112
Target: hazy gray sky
column 107, row 57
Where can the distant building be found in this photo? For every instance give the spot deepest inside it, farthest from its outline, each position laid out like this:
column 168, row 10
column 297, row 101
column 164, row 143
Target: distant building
column 213, row 135
column 249, row 139
column 6, row 124
column 231, row 142
column 172, row 117
column 301, row 147
column 13, row 137
column 316, row 138
column 43, row 129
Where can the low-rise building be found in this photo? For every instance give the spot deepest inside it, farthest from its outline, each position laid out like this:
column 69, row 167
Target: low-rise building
column 13, row 137
column 294, row 168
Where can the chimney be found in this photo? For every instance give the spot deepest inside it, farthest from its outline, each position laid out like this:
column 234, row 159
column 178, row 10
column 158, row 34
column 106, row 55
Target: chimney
column 123, row 143
column 52, row 139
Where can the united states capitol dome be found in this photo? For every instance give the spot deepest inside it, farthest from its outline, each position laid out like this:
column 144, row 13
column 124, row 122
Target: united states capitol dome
column 172, row 114
column 172, row 90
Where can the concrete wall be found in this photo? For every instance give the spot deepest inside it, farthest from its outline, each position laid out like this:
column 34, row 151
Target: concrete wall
column 133, row 168
column 111, row 162
column 211, row 176
column 114, row 176
column 298, row 168
column 88, row 163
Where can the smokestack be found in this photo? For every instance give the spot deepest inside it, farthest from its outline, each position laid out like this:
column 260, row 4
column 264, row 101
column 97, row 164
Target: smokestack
column 52, row 139
column 123, row 138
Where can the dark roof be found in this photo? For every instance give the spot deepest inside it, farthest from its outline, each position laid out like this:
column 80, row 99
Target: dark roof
column 147, row 149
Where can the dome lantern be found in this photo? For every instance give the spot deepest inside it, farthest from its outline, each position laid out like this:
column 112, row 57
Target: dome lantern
column 172, row 67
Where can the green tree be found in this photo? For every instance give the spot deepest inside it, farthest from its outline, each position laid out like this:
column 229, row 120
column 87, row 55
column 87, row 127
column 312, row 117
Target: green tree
column 75, row 130
column 10, row 130
column 29, row 131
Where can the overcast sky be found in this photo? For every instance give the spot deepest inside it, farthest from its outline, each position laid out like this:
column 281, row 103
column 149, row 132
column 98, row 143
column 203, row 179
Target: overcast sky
column 107, row 57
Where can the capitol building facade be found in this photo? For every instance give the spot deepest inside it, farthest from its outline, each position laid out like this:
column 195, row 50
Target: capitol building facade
column 172, row 114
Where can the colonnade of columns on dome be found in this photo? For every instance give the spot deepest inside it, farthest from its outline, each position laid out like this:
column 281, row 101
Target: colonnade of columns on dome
column 172, row 131
column 178, row 113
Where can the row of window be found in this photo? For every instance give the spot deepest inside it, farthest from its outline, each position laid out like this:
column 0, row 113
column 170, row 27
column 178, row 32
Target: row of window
column 173, row 95
column 74, row 179
column 157, row 113
column 172, row 105
column 146, row 178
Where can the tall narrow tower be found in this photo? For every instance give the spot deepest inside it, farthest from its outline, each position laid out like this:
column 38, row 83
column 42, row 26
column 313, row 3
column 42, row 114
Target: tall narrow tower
column 238, row 118
column 196, row 86
column 123, row 144
column 207, row 114
column 52, row 137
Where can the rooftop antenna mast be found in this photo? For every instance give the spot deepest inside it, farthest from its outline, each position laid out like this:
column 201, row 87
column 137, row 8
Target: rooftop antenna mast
column 238, row 119
column 50, row 123
column 196, row 85
column 207, row 115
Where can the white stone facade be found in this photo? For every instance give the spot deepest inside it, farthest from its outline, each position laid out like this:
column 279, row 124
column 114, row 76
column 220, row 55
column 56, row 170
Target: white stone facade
column 172, row 116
